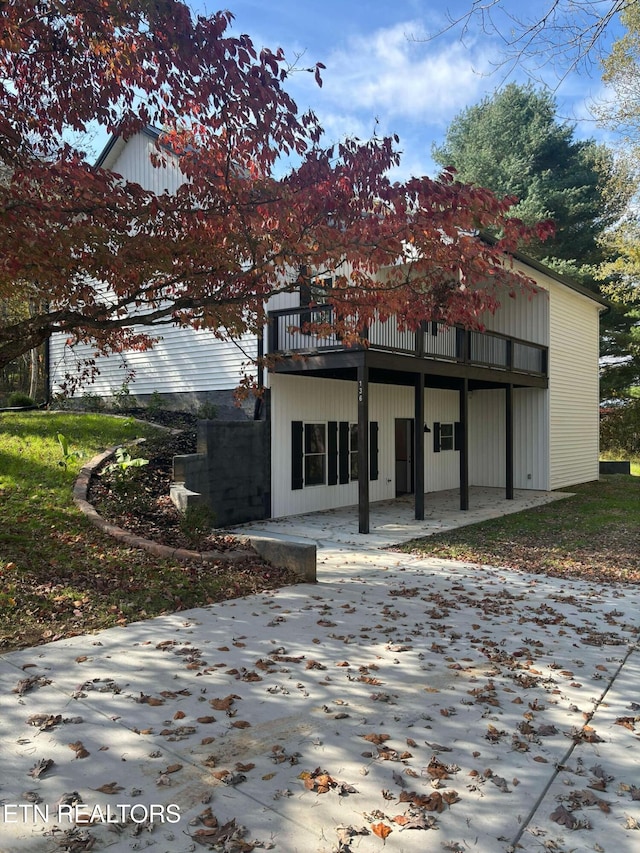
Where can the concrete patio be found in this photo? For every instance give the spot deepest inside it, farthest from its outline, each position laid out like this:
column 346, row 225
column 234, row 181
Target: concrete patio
column 393, row 521
column 401, row 704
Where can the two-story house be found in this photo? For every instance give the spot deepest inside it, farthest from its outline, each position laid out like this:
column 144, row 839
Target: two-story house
column 514, row 406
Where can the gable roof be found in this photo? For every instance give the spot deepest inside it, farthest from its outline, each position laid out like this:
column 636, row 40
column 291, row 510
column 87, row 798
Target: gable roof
column 554, row 274
column 116, row 144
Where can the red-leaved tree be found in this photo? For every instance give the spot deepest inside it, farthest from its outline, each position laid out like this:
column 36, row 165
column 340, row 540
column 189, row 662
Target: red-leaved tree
column 90, row 250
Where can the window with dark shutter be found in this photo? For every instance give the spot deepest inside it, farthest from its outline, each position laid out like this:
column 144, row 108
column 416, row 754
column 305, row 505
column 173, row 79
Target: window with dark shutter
column 445, row 436
column 457, row 436
column 344, row 449
column 373, row 450
column 332, row 453
column 315, row 454
column 297, row 457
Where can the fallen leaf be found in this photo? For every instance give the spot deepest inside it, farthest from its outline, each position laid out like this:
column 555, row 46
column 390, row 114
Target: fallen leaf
column 45, row 721
column 109, row 788
column 143, row 699
column 376, row 738
column 27, row 684
column 41, row 767
column 564, row 817
column 381, row 830
column 223, row 704
column 78, row 748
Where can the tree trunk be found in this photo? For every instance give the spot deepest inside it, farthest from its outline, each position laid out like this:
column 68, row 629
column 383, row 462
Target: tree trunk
column 33, row 380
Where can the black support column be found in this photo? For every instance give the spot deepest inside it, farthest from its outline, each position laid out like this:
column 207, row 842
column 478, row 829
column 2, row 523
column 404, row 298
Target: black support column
column 464, row 445
column 418, row 450
column 363, row 448
column 509, row 441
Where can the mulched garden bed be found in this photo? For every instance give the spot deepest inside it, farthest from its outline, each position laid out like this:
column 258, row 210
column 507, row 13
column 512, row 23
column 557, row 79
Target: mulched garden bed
column 141, row 504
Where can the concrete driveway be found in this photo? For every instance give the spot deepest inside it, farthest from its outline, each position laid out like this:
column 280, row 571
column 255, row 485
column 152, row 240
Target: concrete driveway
column 398, row 704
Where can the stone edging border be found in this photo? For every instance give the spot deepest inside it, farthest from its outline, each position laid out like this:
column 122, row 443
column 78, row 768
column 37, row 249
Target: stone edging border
column 80, row 498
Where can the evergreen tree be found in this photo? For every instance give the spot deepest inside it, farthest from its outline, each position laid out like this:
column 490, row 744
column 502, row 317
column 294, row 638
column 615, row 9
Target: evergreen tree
column 513, row 144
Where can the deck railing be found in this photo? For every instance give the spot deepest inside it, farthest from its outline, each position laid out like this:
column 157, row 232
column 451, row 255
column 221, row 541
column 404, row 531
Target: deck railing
column 288, row 335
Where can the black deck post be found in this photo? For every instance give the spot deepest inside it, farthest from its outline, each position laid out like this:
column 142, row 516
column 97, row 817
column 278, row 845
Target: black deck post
column 363, row 448
column 509, row 441
column 418, row 451
column 464, row 445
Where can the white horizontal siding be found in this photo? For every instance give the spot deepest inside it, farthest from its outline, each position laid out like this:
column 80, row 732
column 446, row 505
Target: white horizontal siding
column 183, row 360
column 573, row 388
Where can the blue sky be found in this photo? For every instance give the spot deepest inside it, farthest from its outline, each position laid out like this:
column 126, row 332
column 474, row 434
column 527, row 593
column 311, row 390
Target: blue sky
column 385, row 75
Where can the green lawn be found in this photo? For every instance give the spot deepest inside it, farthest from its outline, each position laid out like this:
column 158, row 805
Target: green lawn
column 594, row 535
column 59, row 575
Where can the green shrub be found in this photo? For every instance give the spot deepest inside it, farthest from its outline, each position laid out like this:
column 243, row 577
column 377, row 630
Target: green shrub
column 92, row 402
column 207, row 412
column 18, row 399
column 155, row 404
column 122, row 471
column 68, row 455
column 121, row 397
column 197, row 521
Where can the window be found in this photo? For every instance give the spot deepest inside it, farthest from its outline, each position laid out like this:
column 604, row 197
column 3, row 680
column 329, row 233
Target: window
column 315, row 454
column 446, row 436
column 327, row 453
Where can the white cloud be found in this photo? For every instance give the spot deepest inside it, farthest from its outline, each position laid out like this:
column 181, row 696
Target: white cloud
column 395, row 73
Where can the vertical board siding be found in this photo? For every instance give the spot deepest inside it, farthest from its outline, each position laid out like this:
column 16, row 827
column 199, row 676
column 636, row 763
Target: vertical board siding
column 523, row 316
column 313, row 400
column 441, row 470
column 573, row 389
column 487, row 438
column 132, row 160
column 531, row 438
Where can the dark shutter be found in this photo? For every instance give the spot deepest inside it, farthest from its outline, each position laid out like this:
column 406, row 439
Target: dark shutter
column 332, row 453
column 296, row 454
column 436, row 436
column 373, row 450
column 344, row 452
column 457, row 435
